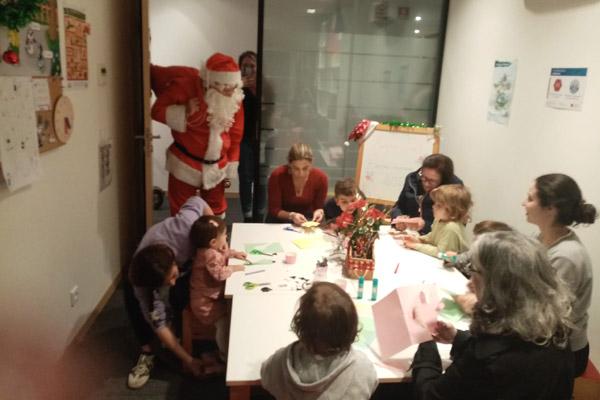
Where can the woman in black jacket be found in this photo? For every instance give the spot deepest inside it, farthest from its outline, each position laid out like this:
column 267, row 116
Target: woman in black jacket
column 517, row 344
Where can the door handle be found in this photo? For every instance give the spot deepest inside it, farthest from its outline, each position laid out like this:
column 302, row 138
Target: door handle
column 142, row 137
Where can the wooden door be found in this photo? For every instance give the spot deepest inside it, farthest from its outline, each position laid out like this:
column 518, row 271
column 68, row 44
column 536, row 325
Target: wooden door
column 148, row 137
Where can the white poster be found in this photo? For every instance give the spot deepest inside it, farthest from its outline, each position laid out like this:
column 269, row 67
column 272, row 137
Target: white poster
column 503, row 85
column 566, row 88
column 19, row 153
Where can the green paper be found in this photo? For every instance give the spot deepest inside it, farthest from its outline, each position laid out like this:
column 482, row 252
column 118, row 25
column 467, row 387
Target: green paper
column 451, row 311
column 366, row 336
column 275, row 247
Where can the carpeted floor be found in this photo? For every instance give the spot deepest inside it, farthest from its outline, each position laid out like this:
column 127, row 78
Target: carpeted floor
column 98, row 366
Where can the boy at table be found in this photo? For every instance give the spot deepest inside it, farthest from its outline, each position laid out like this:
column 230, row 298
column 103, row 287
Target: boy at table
column 345, row 192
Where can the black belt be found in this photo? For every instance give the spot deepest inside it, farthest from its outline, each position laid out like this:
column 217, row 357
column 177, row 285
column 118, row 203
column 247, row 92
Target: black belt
column 190, row 155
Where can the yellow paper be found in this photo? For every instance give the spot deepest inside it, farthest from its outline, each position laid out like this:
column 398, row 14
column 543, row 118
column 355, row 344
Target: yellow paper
column 308, row 241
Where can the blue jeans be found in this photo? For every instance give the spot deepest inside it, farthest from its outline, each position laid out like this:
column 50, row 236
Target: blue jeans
column 246, row 170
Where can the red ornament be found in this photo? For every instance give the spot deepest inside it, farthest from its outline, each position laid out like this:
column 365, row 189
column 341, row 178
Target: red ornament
column 10, row 57
column 557, row 85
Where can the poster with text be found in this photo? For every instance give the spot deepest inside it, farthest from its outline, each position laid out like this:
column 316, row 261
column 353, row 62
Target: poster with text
column 76, row 31
column 503, row 85
column 566, row 88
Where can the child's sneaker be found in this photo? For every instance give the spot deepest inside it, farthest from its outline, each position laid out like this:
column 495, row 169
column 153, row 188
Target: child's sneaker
column 140, row 373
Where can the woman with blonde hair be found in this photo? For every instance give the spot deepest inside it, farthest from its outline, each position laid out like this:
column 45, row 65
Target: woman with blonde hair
column 297, row 191
column 517, row 345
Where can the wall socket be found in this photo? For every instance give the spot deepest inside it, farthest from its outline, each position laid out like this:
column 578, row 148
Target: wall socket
column 74, row 295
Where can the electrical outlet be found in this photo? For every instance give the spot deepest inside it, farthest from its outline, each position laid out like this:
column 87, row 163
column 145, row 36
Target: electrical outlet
column 74, row 295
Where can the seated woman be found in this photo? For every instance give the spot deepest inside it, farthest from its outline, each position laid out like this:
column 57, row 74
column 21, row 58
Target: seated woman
column 517, row 347
column 554, row 203
column 297, row 191
column 414, row 199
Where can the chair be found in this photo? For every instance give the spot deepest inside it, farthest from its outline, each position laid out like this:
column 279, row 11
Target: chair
column 192, row 329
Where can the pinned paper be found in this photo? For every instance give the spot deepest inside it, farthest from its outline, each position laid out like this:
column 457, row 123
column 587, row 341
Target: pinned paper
column 404, row 318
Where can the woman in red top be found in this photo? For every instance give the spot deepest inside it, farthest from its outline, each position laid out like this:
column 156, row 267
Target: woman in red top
column 297, row 191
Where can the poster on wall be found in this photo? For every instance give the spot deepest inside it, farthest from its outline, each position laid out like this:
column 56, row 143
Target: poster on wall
column 76, row 31
column 503, row 85
column 566, row 88
column 19, row 153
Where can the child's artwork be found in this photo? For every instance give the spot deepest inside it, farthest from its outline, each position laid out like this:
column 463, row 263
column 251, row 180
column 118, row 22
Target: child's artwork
column 404, row 317
column 503, row 87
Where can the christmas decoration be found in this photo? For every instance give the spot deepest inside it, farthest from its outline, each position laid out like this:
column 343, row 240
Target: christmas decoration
column 404, row 124
column 15, row 14
column 10, row 57
column 360, row 223
column 359, row 130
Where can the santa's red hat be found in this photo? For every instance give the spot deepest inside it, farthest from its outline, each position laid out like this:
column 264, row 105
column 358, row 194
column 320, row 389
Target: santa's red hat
column 222, row 69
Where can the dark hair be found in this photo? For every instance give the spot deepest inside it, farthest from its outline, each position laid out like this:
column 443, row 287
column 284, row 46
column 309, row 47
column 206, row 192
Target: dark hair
column 248, row 53
column 205, row 229
column 562, row 192
column 442, row 164
column 488, row 225
column 151, row 265
column 345, row 187
column 326, row 321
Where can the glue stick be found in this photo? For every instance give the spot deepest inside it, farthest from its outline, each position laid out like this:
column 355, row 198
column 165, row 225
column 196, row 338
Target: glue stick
column 374, row 289
column 361, row 286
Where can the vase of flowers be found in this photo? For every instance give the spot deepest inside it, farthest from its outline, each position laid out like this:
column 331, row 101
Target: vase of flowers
column 360, row 224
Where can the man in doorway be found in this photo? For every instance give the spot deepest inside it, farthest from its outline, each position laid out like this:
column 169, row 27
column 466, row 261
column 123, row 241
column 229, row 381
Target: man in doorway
column 207, row 124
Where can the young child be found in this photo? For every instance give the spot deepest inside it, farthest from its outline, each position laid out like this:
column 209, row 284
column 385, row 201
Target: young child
column 345, row 192
column 322, row 360
column 209, row 272
column 450, row 212
column 462, row 262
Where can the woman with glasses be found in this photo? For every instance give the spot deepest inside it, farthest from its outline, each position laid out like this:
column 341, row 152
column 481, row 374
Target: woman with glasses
column 554, row 203
column 517, row 344
column 414, row 200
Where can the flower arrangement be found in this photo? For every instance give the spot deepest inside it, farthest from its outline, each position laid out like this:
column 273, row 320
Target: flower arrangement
column 360, row 224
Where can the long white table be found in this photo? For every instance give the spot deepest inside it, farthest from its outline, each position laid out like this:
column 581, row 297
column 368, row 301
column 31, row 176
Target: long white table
column 260, row 321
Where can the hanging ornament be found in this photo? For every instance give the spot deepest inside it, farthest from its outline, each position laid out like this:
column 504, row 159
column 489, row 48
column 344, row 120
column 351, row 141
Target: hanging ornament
column 30, row 42
column 10, row 57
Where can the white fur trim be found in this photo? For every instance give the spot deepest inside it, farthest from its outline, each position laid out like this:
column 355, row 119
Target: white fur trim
column 232, row 168
column 212, row 175
column 228, row 78
column 215, row 143
column 176, row 118
column 182, row 171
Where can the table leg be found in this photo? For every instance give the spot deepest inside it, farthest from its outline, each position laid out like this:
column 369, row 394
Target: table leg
column 239, row 393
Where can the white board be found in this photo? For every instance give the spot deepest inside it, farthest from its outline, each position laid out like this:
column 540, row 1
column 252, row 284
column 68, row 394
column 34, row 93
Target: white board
column 386, row 157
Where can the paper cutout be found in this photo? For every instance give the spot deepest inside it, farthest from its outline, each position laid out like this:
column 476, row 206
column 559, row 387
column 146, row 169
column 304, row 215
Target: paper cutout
column 263, row 248
column 402, row 318
column 451, row 311
column 309, row 241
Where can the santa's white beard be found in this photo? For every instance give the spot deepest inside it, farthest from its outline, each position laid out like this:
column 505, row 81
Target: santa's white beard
column 222, row 109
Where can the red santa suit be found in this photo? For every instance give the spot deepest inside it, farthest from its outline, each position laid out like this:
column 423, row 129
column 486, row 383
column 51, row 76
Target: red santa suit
column 206, row 149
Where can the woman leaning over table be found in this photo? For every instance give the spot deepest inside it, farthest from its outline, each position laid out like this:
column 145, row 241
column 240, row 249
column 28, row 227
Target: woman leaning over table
column 297, row 191
column 554, row 203
column 517, row 344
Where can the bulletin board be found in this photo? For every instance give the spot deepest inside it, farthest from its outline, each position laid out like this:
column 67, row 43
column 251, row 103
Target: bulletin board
column 387, row 155
column 33, row 51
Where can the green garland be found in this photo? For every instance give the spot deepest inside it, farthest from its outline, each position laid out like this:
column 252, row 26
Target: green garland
column 15, row 14
column 404, row 124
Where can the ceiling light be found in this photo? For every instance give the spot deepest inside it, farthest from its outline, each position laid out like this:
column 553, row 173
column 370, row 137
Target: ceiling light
column 311, row 10
column 417, row 31
column 418, row 18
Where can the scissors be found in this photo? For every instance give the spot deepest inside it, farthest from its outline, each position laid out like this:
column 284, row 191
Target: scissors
column 252, row 285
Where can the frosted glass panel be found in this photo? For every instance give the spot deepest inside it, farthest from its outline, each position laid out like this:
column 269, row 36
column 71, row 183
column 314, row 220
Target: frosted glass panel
column 349, row 60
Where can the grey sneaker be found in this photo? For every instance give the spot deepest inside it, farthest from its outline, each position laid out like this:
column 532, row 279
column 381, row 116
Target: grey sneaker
column 140, row 373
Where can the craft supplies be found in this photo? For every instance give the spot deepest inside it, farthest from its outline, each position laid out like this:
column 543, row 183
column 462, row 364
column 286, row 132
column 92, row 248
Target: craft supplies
column 254, row 272
column 290, row 257
column 374, row 289
column 361, row 287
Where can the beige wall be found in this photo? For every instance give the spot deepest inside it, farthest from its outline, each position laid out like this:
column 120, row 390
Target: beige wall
column 499, row 162
column 61, row 231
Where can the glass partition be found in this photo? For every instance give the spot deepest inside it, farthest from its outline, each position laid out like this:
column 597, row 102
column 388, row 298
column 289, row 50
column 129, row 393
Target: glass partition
column 328, row 64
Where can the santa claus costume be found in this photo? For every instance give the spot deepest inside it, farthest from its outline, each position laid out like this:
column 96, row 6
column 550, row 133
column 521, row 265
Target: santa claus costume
column 207, row 124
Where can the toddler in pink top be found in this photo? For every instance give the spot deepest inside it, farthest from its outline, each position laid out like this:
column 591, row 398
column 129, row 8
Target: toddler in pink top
column 209, row 272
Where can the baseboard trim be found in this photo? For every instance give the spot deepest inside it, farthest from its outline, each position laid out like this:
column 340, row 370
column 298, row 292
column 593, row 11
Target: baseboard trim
column 87, row 325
